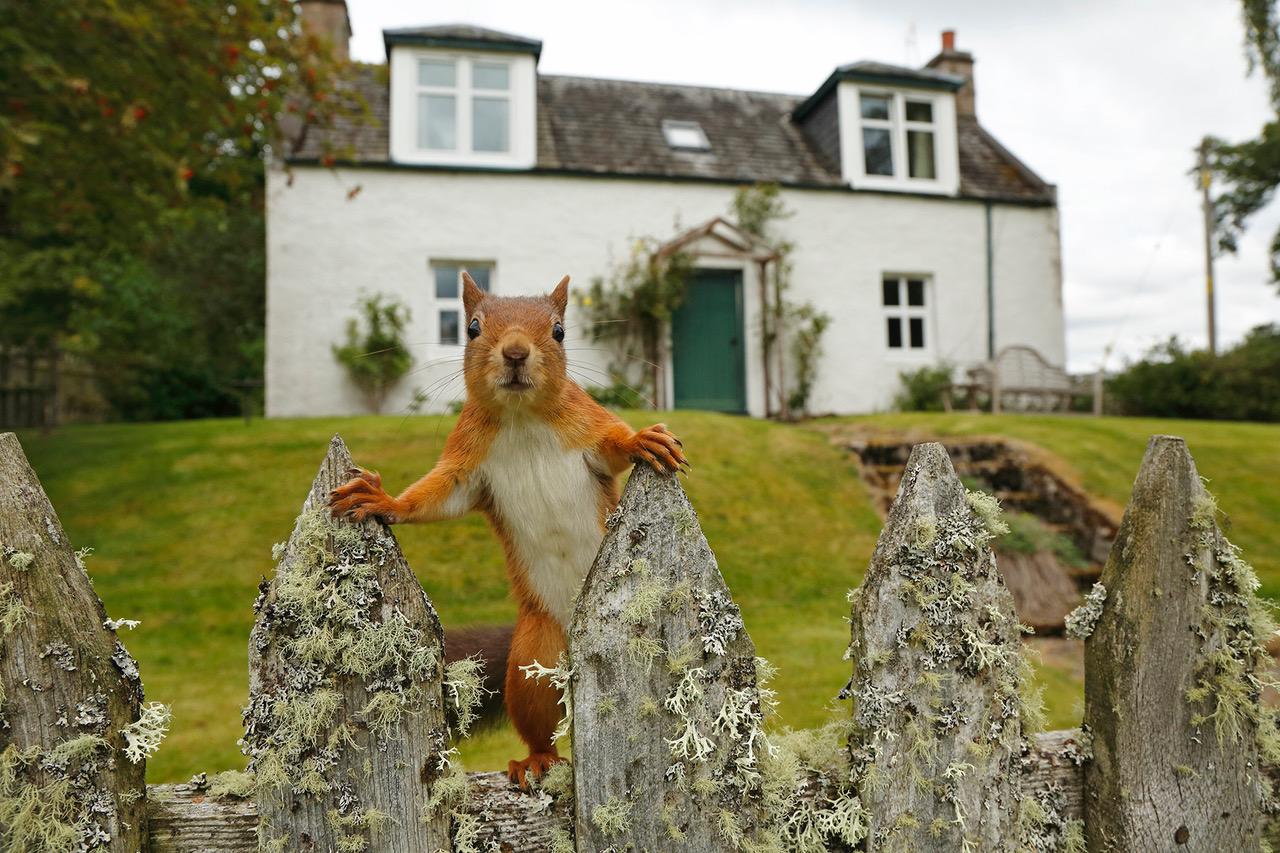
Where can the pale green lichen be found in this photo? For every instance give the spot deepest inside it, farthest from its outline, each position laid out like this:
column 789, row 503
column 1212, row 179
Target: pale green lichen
column 643, row 651
column 446, row 793
column 612, row 817
column 143, row 736
column 464, row 690
column 987, row 508
column 47, row 799
column 558, row 780
column 232, row 783
column 645, row 599
column 1081, row 621
column 13, row 612
column 561, row 841
column 21, row 560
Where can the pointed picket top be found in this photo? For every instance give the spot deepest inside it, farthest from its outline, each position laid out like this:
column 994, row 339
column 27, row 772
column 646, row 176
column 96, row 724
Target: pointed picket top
column 937, row 670
column 68, row 688
column 665, row 705
column 345, row 726
column 1171, row 693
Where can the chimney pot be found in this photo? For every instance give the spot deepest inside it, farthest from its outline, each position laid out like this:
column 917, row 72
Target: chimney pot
column 960, row 63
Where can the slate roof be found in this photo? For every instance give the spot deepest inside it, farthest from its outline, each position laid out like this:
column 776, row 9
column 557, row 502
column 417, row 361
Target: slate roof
column 614, row 127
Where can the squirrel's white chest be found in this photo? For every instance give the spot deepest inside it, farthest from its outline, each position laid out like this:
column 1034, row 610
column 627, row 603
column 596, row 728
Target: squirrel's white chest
column 548, row 501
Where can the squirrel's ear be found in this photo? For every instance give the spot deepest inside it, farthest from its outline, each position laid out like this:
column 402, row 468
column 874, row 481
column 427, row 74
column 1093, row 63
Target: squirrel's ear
column 471, row 293
column 560, row 296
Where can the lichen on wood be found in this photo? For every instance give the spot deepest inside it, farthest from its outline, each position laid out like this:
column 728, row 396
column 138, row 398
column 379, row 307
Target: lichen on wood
column 68, row 688
column 666, row 706
column 346, row 716
column 1174, row 676
column 940, row 683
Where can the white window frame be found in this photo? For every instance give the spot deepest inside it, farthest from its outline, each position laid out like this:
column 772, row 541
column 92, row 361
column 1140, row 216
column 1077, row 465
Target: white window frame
column 906, row 313
column 946, row 165
column 464, row 94
column 443, row 303
column 670, row 126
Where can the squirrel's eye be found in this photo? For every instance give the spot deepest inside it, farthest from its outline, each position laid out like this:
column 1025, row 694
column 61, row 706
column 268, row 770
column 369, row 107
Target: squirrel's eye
column 473, row 330
column 557, row 332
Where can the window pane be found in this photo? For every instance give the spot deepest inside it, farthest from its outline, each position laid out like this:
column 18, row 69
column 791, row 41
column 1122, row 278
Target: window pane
column 917, row 333
column 437, row 123
column 481, row 275
column 875, row 106
column 919, row 111
column 915, row 292
column 489, row 124
column 920, row 154
column 436, row 72
column 895, row 332
column 877, row 150
column 490, row 75
column 448, row 327
column 446, row 281
column 889, row 287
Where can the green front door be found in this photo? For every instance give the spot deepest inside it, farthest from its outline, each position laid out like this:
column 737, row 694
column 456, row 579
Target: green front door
column 707, row 344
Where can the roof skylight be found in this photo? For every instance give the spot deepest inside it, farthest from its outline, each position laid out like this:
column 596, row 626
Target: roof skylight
column 685, row 135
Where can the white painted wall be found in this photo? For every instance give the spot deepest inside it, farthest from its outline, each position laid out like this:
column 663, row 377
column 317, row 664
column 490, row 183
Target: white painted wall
column 324, row 250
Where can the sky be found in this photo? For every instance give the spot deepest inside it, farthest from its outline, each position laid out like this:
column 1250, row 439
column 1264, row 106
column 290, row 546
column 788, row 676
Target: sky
column 1107, row 100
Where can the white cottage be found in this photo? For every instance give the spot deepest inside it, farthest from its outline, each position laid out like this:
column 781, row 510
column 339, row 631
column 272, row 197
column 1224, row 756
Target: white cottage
column 920, row 235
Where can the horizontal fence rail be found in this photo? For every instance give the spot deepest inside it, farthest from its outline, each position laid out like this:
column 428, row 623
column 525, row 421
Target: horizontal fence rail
column 351, row 710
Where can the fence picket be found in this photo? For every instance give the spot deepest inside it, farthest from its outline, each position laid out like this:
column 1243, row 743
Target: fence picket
column 68, row 687
column 937, row 673
column 666, row 708
column 1172, row 618
column 345, row 725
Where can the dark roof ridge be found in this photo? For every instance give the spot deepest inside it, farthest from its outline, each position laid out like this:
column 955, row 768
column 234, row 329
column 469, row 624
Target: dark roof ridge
column 658, row 83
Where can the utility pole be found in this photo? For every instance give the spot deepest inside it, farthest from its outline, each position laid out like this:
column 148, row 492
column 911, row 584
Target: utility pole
column 1206, row 204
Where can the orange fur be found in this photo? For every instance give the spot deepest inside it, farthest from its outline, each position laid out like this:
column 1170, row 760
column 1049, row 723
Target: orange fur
column 516, row 369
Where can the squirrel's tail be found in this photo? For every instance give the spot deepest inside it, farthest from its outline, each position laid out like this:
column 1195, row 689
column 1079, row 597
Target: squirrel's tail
column 492, row 645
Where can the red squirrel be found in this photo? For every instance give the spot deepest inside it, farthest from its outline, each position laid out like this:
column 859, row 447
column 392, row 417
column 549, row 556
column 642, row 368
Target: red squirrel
column 541, row 460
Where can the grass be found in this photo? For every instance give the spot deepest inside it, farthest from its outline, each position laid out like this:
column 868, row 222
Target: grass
column 1241, row 462
column 182, row 517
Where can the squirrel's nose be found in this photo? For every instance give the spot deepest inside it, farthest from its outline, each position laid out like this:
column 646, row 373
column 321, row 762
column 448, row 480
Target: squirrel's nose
column 515, row 354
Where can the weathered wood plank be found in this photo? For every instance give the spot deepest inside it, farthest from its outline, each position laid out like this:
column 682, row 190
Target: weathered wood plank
column 666, row 711
column 68, row 687
column 937, row 671
column 1171, row 773
column 186, row 820
column 345, row 726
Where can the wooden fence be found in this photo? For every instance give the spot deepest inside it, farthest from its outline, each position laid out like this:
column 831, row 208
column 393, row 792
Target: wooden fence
column 351, row 710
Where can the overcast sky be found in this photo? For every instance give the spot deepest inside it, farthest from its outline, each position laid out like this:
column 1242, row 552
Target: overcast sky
column 1105, row 99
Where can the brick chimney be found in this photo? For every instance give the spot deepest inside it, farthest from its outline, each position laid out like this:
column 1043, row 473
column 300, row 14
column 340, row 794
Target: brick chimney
column 959, row 63
column 328, row 21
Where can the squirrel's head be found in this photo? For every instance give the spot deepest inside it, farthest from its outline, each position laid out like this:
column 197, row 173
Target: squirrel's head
column 515, row 346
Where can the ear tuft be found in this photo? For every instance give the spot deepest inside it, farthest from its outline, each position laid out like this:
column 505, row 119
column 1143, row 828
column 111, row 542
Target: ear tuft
column 560, row 296
column 472, row 295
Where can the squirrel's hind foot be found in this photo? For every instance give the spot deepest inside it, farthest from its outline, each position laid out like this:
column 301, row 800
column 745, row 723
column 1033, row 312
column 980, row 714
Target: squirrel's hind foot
column 534, row 766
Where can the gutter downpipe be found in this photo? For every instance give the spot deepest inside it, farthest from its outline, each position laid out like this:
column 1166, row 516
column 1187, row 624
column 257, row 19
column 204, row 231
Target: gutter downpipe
column 991, row 287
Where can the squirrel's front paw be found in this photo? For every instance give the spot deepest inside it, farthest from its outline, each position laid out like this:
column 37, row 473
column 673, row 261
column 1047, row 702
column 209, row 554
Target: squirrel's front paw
column 363, row 497
column 659, row 448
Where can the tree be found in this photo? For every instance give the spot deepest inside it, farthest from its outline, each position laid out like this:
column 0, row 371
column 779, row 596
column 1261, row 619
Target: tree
column 132, row 140
column 1250, row 170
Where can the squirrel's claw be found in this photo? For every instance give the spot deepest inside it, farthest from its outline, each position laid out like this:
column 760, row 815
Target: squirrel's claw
column 660, row 449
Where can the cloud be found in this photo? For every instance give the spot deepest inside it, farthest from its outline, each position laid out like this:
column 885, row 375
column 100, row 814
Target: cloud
column 1105, row 99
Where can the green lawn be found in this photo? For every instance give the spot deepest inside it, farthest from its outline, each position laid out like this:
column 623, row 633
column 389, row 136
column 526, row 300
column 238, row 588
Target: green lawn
column 182, row 517
column 1240, row 461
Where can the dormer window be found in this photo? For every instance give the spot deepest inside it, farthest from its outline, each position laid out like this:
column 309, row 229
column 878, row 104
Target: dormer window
column 463, row 96
column 686, row 135
column 464, row 104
